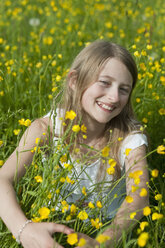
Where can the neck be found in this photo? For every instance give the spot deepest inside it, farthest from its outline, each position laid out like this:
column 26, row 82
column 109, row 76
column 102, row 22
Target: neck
column 95, row 132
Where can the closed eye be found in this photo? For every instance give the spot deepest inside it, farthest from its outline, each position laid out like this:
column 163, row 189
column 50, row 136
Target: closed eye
column 104, row 82
column 125, row 90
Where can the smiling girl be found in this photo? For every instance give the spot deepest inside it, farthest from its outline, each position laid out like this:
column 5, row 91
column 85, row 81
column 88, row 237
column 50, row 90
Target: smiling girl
column 98, row 89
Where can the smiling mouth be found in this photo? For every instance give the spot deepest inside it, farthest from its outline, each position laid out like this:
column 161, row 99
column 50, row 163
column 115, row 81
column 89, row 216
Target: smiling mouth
column 106, row 107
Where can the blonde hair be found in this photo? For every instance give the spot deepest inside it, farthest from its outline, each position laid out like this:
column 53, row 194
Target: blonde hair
column 86, row 69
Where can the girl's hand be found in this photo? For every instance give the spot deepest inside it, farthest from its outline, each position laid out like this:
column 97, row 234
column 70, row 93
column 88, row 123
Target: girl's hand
column 90, row 242
column 39, row 235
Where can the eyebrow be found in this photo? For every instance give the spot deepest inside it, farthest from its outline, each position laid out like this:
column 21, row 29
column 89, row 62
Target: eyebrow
column 113, row 79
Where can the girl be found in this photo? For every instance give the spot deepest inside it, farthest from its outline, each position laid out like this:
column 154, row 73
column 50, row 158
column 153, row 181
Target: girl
column 98, row 90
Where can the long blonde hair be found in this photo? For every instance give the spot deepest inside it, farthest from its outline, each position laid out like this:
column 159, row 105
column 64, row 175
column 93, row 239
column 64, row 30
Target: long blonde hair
column 87, row 66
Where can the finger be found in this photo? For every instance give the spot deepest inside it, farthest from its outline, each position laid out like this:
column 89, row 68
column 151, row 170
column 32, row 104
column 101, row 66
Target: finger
column 60, row 228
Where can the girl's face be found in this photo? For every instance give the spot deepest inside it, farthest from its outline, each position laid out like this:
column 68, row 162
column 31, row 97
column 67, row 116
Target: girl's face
column 106, row 98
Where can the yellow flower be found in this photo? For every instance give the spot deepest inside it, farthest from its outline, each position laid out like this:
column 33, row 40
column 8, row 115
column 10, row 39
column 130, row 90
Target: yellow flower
column 38, row 179
column 134, row 188
column 155, row 173
column 146, row 211
column 110, row 170
column 16, row 131
column 73, row 209
column 132, row 215
column 68, row 217
column 136, row 54
column 62, row 179
column 38, row 65
column 44, row 212
column 72, row 238
column 81, row 242
column 83, row 128
column 145, row 120
column 27, row 123
column 70, row 115
column 98, row 204
column 101, row 238
column 91, row 205
column 105, row 151
column 76, row 128
column 157, row 216
column 50, row 96
column 69, row 180
column 63, row 158
column 158, row 197
column 161, row 111
column 161, row 149
column 112, row 162
column 84, row 191
column 120, row 138
column 48, row 40
column 22, row 121
column 129, row 199
column 82, row 215
column 143, row 192
column 138, row 100
column 95, row 223
column 1, row 142
column 143, row 224
column 127, row 151
column 1, row 162
column 142, row 239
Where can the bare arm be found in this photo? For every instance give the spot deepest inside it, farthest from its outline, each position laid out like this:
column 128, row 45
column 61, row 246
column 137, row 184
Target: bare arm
column 122, row 220
column 13, row 169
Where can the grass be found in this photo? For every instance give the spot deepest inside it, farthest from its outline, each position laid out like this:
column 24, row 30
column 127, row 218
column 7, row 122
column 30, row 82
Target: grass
column 38, row 41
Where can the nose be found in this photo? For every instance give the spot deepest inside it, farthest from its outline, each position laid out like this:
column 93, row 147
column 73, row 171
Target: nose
column 113, row 94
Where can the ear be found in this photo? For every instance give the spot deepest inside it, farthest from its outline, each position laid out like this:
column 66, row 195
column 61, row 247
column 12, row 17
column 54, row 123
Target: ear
column 72, row 78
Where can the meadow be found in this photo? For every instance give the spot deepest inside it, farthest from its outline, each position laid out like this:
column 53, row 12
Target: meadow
column 38, row 41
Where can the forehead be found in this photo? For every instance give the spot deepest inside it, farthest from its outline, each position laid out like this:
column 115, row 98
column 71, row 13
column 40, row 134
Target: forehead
column 114, row 68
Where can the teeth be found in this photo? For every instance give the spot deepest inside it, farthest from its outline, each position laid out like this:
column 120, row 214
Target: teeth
column 105, row 106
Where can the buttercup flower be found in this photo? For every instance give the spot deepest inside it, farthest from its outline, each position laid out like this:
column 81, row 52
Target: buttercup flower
column 73, row 209
column 70, row 115
column 44, row 212
column 98, row 204
column 161, row 149
column 82, row 215
column 105, row 151
column 158, row 197
column 1, row 162
column 83, row 128
column 142, row 240
column 143, row 192
column 101, row 238
column 81, row 242
column 38, row 179
column 157, row 216
column 110, row 170
column 155, row 173
column 127, row 151
column 146, row 211
column 129, row 199
column 16, row 131
column 132, row 215
column 84, row 191
column 143, row 224
column 72, row 238
column 91, row 205
column 76, row 128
